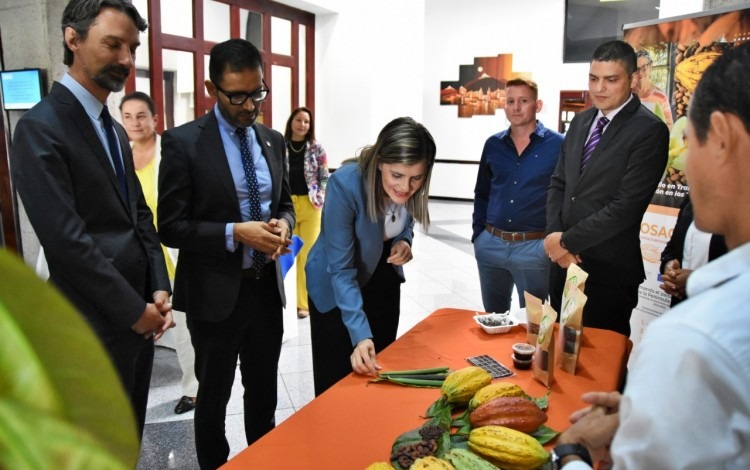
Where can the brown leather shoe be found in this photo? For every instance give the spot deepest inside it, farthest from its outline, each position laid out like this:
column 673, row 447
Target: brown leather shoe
column 184, row 405
column 302, row 313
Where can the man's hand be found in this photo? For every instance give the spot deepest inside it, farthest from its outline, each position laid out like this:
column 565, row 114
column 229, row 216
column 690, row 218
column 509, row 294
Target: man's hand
column 363, row 358
column 263, row 237
column 556, row 252
column 162, row 303
column 400, row 253
column 609, row 401
column 568, row 259
column 553, row 248
column 595, row 426
column 151, row 322
column 281, row 228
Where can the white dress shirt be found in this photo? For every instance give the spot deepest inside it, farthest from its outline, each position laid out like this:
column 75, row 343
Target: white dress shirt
column 687, row 400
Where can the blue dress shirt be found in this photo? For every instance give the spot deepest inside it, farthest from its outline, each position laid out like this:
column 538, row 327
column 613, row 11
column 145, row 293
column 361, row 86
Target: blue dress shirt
column 231, row 143
column 511, row 189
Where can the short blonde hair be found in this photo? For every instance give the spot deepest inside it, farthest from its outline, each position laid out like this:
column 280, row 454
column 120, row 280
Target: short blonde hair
column 524, row 82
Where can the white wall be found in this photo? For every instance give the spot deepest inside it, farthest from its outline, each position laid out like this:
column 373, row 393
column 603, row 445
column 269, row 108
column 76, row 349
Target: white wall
column 379, row 60
column 486, row 28
column 670, row 8
column 369, row 70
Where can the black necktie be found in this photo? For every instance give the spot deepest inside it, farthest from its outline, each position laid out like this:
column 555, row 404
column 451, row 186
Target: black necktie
column 114, row 150
column 253, row 193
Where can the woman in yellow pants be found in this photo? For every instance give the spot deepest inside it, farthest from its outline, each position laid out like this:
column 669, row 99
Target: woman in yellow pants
column 308, row 177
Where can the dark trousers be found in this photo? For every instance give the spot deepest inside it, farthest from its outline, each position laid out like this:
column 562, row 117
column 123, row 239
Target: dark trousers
column 331, row 345
column 608, row 307
column 253, row 333
column 133, row 358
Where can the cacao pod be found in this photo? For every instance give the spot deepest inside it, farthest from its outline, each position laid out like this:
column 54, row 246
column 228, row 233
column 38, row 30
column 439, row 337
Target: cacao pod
column 431, row 463
column 498, row 389
column 379, row 466
column 461, row 385
column 462, row 459
column 512, row 412
column 690, row 70
column 507, row 448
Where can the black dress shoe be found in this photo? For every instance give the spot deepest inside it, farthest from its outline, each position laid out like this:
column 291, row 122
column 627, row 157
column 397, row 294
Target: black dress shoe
column 184, row 405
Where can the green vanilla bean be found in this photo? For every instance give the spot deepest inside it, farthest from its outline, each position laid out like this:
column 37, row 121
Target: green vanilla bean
column 411, row 382
column 431, row 370
column 440, row 377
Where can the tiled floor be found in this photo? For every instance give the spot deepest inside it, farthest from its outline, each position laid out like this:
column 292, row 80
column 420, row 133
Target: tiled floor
column 443, row 273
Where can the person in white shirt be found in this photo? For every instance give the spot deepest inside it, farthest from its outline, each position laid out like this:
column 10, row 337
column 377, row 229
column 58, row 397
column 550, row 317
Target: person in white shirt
column 687, row 400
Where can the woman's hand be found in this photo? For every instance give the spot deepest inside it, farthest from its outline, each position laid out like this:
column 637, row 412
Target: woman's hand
column 400, row 253
column 363, row 358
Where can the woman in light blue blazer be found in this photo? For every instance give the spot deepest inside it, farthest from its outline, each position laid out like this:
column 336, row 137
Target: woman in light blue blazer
column 354, row 270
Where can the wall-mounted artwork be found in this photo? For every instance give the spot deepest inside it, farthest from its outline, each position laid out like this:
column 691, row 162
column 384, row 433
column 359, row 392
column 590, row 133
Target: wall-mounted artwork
column 480, row 88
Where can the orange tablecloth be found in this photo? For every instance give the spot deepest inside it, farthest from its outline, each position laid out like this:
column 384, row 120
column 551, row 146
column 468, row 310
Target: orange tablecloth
column 355, row 423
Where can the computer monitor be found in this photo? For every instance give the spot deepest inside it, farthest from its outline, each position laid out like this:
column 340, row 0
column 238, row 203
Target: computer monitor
column 22, row 89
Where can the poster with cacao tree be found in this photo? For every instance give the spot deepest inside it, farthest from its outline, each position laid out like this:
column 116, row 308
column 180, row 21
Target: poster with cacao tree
column 672, row 55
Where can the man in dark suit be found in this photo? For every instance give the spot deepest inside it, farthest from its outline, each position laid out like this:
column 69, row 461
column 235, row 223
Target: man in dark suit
column 225, row 202
column 611, row 161
column 73, row 170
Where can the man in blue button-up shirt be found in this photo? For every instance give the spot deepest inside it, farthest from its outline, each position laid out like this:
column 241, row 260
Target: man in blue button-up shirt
column 510, row 201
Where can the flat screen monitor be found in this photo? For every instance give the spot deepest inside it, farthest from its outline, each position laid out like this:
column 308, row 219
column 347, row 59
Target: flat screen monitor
column 22, row 89
column 589, row 23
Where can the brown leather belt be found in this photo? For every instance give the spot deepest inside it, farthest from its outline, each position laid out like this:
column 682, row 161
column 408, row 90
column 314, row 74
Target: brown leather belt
column 514, row 236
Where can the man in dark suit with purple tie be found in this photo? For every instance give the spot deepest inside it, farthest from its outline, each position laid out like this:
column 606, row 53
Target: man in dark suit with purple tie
column 612, row 159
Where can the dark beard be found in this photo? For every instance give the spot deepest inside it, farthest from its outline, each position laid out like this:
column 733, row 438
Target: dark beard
column 112, row 77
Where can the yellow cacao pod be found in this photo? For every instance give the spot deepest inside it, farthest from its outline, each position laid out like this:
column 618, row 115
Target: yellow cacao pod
column 507, row 448
column 431, row 463
column 498, row 389
column 380, row 466
column 462, row 459
column 461, row 385
column 690, row 70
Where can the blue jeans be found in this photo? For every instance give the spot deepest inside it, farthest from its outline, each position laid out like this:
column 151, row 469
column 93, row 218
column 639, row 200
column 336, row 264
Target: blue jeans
column 502, row 264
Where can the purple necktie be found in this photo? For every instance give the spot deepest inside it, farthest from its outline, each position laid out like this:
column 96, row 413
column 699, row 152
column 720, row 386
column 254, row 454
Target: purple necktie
column 596, row 136
column 253, row 193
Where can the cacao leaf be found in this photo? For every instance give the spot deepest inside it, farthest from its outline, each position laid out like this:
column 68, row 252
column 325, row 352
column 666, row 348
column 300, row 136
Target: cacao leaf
column 442, row 418
column 437, row 406
column 541, row 402
column 460, row 441
column 461, row 420
column 544, row 434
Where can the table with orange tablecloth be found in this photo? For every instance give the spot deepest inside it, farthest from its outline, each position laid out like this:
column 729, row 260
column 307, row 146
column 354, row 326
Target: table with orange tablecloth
column 354, row 423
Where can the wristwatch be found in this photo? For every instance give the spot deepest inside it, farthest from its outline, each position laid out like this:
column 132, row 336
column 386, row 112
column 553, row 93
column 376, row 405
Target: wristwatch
column 564, row 450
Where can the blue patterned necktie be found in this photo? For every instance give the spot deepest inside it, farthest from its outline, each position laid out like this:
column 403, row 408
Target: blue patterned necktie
column 253, row 194
column 596, row 136
column 114, row 150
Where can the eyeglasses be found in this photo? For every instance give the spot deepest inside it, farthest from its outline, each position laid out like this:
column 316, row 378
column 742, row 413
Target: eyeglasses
column 239, row 98
column 643, row 68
